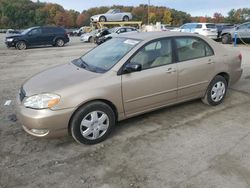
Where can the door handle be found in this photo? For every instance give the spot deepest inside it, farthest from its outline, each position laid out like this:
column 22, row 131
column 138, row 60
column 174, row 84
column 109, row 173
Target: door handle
column 170, row 70
column 210, row 62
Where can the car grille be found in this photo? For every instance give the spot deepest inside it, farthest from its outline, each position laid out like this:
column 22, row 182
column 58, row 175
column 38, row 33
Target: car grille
column 22, row 94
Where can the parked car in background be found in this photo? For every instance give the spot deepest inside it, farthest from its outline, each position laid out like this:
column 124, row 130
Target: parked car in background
column 101, row 34
column 164, row 27
column 12, row 31
column 37, row 36
column 128, row 75
column 243, row 32
column 222, row 26
column 89, row 37
column 112, row 15
column 78, row 32
column 207, row 29
column 114, row 32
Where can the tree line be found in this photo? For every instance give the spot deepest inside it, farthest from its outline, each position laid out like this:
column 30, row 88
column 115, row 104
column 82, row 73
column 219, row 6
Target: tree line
column 26, row 13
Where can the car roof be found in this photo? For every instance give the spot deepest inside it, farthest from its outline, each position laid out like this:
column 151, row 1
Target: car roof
column 154, row 35
column 199, row 23
column 245, row 23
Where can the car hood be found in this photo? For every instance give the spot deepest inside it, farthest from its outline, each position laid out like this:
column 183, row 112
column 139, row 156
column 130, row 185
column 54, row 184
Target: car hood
column 96, row 16
column 57, row 79
column 14, row 35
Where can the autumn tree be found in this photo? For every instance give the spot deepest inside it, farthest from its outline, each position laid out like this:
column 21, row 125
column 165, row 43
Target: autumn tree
column 152, row 18
column 238, row 16
column 218, row 18
column 63, row 19
column 202, row 19
column 81, row 19
column 167, row 18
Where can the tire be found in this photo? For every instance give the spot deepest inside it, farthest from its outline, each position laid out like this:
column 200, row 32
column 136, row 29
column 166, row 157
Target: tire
column 216, row 91
column 102, row 19
column 226, row 39
column 92, row 123
column 125, row 19
column 21, row 45
column 60, row 42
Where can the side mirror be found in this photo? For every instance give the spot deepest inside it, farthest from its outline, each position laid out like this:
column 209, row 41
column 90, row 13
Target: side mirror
column 132, row 68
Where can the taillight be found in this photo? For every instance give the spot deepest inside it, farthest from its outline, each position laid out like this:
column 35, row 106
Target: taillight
column 240, row 57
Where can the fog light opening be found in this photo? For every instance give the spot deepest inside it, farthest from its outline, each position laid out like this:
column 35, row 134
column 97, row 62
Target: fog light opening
column 37, row 132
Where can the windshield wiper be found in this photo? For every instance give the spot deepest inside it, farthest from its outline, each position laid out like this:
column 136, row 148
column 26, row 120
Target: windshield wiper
column 83, row 64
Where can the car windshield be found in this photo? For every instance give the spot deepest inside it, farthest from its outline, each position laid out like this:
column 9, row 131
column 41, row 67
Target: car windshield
column 104, row 57
column 110, row 11
column 112, row 30
column 26, row 31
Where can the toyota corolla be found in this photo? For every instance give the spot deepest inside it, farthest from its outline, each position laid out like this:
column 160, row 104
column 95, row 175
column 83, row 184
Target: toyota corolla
column 124, row 77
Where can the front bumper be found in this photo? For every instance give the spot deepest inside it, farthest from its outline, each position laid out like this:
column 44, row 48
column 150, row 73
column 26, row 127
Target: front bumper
column 51, row 123
column 10, row 44
column 94, row 19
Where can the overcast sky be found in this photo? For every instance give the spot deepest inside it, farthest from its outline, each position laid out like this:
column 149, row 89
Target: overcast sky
column 194, row 7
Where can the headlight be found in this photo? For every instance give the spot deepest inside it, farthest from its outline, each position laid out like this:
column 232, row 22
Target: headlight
column 9, row 40
column 42, row 101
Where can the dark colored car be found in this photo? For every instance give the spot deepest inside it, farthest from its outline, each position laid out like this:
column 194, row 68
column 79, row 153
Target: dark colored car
column 114, row 32
column 101, row 34
column 37, row 36
column 12, row 31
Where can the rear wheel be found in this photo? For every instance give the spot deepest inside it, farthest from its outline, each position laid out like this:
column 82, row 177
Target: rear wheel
column 60, row 42
column 226, row 39
column 125, row 18
column 216, row 91
column 21, row 45
column 92, row 123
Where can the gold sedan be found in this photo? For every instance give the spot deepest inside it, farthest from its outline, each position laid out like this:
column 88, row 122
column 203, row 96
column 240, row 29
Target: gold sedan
column 124, row 77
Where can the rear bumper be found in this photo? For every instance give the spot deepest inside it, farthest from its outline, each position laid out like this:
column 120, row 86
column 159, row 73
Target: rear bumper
column 235, row 76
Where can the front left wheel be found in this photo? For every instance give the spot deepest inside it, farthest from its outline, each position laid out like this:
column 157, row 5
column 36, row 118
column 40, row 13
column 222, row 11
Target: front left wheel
column 21, row 45
column 92, row 123
column 103, row 19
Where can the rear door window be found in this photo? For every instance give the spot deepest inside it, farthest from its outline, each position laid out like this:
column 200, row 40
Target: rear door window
column 189, row 48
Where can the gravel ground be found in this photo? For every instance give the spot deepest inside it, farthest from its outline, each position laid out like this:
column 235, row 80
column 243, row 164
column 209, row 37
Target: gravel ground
column 188, row 145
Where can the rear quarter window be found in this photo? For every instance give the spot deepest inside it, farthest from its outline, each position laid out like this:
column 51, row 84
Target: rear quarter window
column 198, row 26
column 211, row 26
